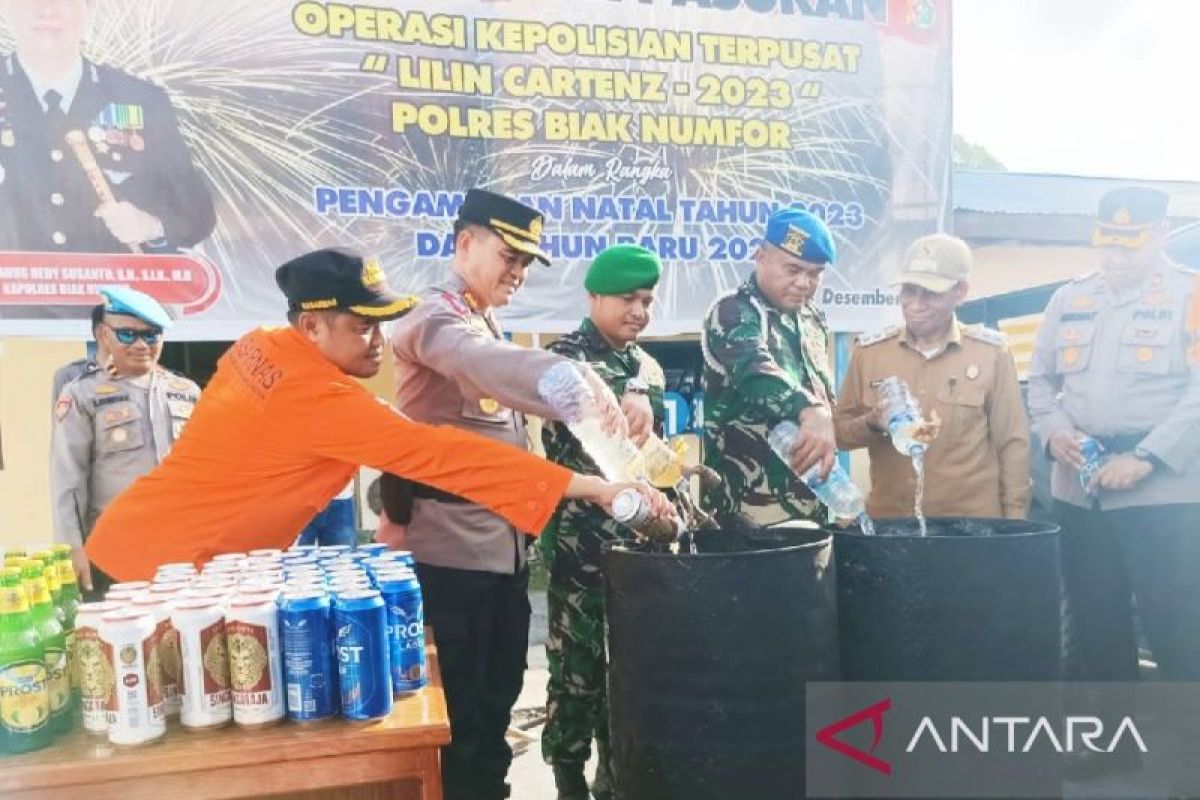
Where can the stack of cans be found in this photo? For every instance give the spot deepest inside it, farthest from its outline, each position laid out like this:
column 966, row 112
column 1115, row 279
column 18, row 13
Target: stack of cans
column 251, row 638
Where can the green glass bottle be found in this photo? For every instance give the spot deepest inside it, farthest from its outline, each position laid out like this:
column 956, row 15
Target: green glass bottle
column 70, row 606
column 24, row 689
column 53, row 583
column 54, row 640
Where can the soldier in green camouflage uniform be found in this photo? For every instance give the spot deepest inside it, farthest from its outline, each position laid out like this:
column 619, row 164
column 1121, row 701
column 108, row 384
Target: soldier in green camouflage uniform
column 765, row 362
column 620, row 283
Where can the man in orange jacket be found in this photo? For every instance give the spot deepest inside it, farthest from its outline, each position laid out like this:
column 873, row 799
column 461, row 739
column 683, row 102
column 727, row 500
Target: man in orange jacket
column 284, row 424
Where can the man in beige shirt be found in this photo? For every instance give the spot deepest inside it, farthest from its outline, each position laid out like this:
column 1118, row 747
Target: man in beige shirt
column 962, row 375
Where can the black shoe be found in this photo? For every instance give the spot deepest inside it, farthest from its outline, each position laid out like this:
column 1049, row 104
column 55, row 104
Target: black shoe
column 569, row 781
column 1089, row 765
column 602, row 785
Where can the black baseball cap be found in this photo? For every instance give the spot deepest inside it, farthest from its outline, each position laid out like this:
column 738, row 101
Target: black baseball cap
column 519, row 225
column 338, row 280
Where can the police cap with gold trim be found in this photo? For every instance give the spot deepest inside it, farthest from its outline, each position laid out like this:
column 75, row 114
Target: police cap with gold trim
column 801, row 234
column 516, row 223
column 1128, row 216
column 338, row 280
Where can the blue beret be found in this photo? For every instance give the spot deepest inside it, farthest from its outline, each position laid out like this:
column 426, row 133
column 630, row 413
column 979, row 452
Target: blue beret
column 800, row 234
column 131, row 302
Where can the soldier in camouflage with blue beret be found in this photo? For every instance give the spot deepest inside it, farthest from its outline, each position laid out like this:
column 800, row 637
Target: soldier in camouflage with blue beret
column 620, row 284
column 766, row 362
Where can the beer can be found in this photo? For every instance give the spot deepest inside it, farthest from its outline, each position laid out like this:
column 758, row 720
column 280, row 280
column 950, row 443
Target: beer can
column 309, row 669
column 631, row 509
column 134, row 706
column 255, row 665
column 91, row 668
column 372, row 549
column 182, row 568
column 130, row 586
column 168, row 591
column 300, row 549
column 336, row 549
column 163, row 666
column 206, row 698
column 364, row 671
column 221, row 558
column 406, row 630
column 265, row 552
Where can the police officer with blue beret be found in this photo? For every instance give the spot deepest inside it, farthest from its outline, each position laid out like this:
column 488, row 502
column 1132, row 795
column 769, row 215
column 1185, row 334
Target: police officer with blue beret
column 117, row 421
column 154, row 199
column 766, row 362
column 1117, row 362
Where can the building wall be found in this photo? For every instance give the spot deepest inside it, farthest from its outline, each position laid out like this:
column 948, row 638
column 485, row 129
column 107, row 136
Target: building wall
column 26, row 369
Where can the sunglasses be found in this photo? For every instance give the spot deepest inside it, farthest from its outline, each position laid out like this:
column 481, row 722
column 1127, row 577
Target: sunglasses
column 128, row 336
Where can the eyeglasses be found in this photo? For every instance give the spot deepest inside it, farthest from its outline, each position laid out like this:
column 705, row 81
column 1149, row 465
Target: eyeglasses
column 128, row 336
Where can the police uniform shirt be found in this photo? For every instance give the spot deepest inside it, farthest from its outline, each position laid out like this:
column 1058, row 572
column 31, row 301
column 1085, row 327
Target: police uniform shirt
column 1124, row 364
column 132, row 131
column 979, row 464
column 107, row 432
column 454, row 368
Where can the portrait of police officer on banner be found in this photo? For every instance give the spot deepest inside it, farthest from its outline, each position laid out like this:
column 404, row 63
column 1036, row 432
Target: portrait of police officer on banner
column 91, row 157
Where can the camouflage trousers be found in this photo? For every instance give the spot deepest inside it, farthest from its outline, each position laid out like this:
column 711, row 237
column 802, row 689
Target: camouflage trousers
column 576, row 703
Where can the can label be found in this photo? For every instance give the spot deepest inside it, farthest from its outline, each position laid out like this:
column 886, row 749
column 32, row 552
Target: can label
column 135, row 712
column 169, row 663
column 24, row 697
column 254, row 671
column 249, row 663
column 406, row 637
column 206, row 700
column 364, row 671
column 215, row 660
column 308, row 664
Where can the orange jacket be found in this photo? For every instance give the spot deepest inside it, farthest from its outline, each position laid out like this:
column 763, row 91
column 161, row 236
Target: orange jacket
column 278, row 432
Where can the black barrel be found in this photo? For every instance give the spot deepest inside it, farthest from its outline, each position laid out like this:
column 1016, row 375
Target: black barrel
column 709, row 654
column 975, row 599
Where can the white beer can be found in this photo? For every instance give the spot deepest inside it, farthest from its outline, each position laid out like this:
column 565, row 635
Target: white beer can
column 92, row 671
column 206, row 698
column 164, row 665
column 135, row 709
column 255, row 663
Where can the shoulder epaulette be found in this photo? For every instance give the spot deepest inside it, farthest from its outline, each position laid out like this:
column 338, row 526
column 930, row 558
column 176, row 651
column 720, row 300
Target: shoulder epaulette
column 890, row 332
column 982, row 333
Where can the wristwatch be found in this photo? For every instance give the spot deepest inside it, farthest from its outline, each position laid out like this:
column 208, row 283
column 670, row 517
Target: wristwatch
column 637, row 386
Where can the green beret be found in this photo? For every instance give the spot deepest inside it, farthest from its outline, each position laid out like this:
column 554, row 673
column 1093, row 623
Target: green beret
column 621, row 269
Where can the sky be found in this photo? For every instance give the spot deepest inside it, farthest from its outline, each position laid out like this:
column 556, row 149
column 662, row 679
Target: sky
column 1083, row 87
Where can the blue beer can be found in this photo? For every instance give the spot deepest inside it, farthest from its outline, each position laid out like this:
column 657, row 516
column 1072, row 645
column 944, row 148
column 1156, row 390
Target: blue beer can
column 361, row 643
column 406, row 630
column 372, row 549
column 310, row 673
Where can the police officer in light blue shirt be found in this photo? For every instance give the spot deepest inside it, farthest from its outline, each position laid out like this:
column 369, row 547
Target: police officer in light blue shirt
column 1118, row 360
column 117, row 421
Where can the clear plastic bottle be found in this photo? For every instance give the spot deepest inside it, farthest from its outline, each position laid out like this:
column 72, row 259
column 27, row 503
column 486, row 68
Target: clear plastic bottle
column 837, row 491
column 564, row 389
column 903, row 416
column 1094, row 457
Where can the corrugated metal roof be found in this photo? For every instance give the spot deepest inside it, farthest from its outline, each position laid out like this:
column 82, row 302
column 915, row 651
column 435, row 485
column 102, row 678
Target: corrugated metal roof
column 1030, row 193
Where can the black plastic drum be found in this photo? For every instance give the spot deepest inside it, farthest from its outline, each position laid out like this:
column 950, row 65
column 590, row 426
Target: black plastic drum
column 709, row 654
column 976, row 599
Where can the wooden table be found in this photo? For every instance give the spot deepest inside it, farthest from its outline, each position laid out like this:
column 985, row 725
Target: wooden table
column 396, row 757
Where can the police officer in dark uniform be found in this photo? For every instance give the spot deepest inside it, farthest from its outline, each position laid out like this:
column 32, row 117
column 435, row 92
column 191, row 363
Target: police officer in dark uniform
column 127, row 183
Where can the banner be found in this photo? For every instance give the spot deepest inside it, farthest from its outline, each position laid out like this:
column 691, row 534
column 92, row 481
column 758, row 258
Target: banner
column 188, row 148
